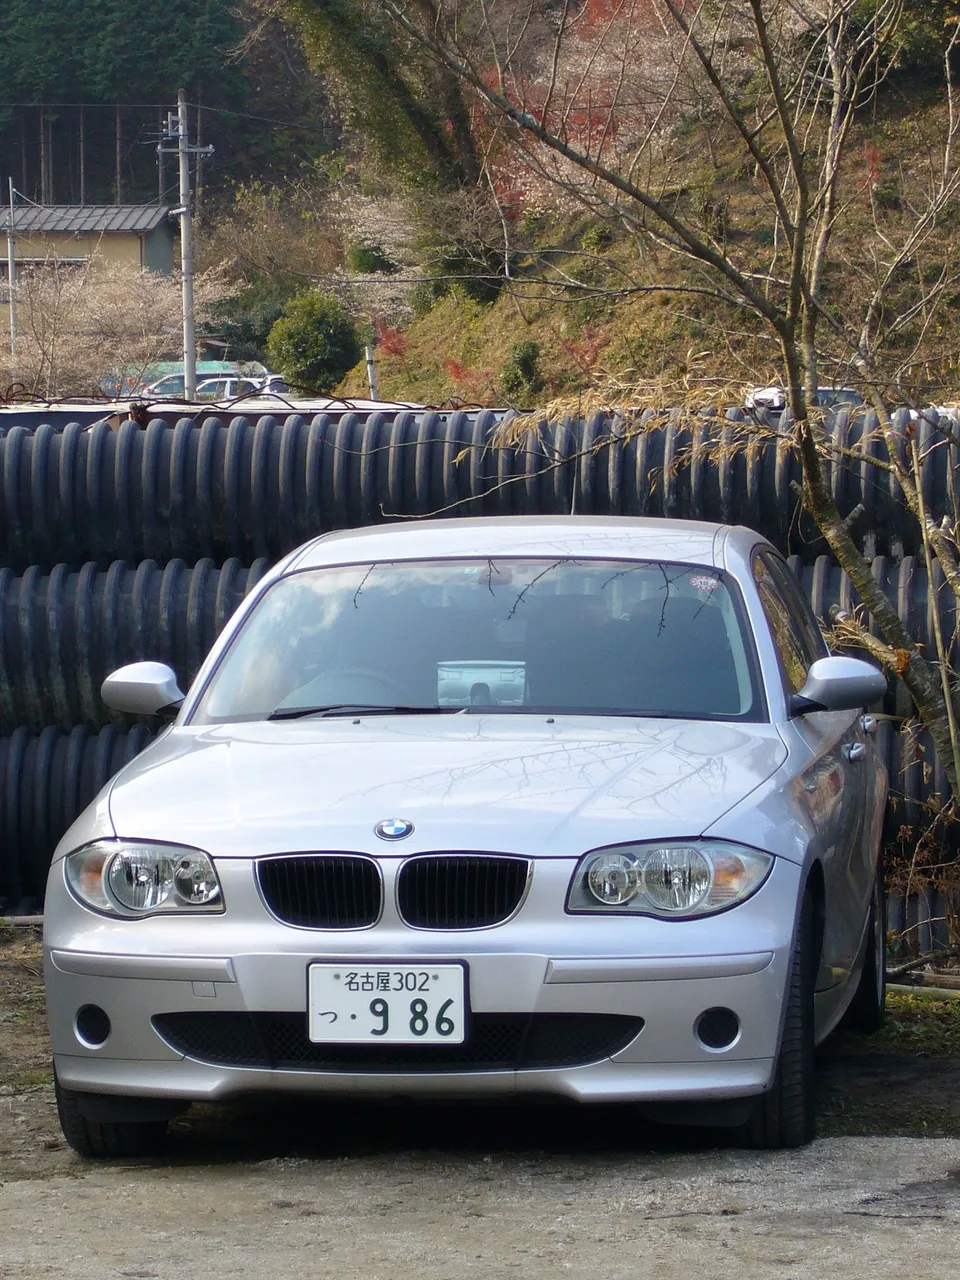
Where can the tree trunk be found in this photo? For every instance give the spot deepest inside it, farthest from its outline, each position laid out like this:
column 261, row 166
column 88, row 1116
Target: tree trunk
column 118, row 193
column 83, row 170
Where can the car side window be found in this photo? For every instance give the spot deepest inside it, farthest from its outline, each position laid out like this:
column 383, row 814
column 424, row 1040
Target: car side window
column 792, row 644
column 800, row 606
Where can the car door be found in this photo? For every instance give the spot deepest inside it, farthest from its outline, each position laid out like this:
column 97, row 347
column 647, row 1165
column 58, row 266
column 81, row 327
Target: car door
column 832, row 788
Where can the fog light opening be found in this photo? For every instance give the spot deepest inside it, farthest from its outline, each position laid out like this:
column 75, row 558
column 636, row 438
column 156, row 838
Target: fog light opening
column 92, row 1026
column 717, row 1029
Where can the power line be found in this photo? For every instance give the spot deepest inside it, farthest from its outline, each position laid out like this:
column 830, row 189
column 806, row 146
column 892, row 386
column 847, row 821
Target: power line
column 247, row 115
column 155, row 106
column 14, row 191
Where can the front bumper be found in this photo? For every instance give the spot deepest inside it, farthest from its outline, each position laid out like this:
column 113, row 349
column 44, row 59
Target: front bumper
column 610, row 1081
column 539, row 963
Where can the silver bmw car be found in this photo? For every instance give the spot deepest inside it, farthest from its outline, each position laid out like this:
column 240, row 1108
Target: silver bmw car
column 578, row 807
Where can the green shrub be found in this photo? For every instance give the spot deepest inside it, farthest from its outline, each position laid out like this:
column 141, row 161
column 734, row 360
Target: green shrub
column 887, row 195
column 422, row 297
column 473, row 270
column 919, row 39
column 713, row 214
column 369, row 259
column 597, row 237
column 521, row 373
column 315, row 342
column 949, row 216
column 533, row 221
column 245, row 319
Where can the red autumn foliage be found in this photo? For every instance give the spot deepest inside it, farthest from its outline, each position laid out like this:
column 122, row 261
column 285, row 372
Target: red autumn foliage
column 509, row 196
column 874, row 161
column 390, row 339
column 598, row 14
column 473, row 385
column 583, row 352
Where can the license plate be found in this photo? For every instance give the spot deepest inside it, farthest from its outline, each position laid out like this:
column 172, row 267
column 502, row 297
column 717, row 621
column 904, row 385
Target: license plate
column 386, row 1004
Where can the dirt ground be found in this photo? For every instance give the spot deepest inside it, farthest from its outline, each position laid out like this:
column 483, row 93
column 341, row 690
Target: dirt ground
column 280, row 1189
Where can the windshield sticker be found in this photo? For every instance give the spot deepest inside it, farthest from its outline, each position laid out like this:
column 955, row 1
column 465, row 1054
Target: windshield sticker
column 701, row 582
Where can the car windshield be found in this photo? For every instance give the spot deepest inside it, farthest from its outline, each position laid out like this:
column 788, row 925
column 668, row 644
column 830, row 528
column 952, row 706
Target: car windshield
column 832, row 398
column 168, row 386
column 567, row 636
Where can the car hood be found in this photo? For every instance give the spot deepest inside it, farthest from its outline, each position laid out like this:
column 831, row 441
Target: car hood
column 504, row 783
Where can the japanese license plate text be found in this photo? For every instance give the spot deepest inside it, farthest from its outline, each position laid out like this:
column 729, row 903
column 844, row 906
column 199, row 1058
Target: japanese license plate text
column 387, row 1004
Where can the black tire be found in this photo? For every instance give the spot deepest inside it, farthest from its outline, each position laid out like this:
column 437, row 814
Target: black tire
column 867, row 1009
column 100, row 1140
column 785, row 1116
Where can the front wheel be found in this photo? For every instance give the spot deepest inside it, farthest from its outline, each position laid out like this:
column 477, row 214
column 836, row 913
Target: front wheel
column 101, row 1139
column 785, row 1116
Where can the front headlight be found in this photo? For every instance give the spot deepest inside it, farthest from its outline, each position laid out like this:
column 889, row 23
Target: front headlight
column 673, row 879
column 135, row 878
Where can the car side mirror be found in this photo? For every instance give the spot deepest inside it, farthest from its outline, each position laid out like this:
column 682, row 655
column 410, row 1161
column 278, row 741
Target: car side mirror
column 839, row 684
column 142, row 689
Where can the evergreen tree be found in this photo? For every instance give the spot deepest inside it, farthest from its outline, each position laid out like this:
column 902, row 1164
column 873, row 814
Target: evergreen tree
column 117, row 50
column 407, row 108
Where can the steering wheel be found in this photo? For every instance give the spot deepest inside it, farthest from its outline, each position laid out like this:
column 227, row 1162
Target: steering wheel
column 395, row 691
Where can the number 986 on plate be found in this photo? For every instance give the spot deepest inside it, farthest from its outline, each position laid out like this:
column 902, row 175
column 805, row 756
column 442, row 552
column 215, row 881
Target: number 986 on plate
column 386, row 1004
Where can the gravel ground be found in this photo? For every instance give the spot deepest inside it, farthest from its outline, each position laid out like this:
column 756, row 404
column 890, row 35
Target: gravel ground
column 845, row 1207
column 279, row 1189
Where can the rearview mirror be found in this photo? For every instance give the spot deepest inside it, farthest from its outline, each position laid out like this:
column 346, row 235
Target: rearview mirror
column 142, row 689
column 839, row 684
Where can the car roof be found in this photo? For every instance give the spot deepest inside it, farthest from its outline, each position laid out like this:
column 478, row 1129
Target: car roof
column 594, row 537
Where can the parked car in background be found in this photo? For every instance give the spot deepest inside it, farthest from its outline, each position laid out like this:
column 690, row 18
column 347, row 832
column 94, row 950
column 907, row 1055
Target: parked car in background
column 774, row 398
column 221, row 387
column 170, row 386
column 933, row 412
column 227, row 388
column 839, row 398
column 276, row 384
column 478, row 808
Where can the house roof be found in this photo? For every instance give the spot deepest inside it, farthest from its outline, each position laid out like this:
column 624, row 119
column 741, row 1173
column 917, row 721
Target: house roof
column 86, row 219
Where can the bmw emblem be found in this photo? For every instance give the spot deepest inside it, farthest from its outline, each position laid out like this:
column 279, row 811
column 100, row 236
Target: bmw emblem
column 393, row 828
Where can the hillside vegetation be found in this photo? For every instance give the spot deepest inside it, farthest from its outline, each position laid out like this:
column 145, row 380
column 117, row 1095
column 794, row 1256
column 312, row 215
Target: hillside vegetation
column 579, row 288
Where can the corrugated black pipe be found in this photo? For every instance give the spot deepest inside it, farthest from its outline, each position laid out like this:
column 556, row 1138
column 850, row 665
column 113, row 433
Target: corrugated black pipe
column 46, row 780
column 905, row 584
column 251, row 489
column 62, row 633
column 914, row 825
column 907, row 587
column 33, row 416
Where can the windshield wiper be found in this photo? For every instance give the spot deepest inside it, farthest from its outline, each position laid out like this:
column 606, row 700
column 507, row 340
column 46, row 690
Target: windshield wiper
column 358, row 708
column 508, row 709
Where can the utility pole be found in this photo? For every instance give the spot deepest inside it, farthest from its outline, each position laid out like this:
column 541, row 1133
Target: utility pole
column 12, row 278
column 178, row 130
column 371, row 373
column 186, row 254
